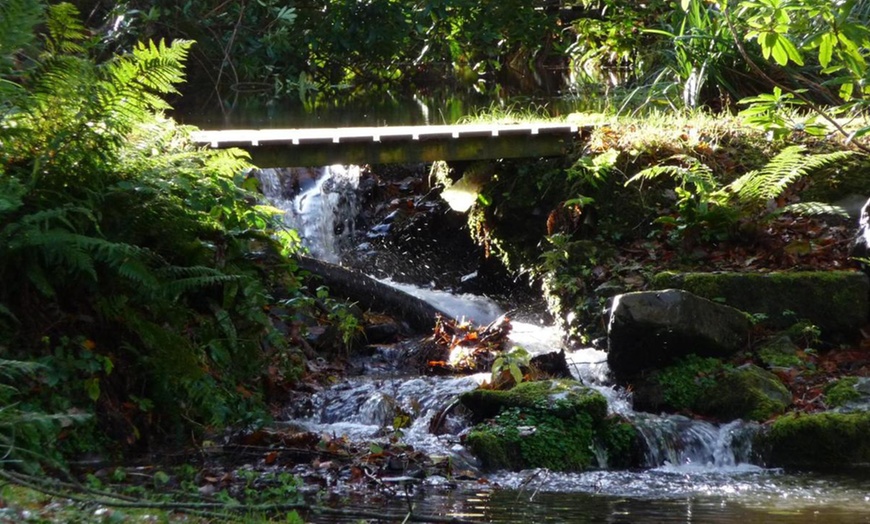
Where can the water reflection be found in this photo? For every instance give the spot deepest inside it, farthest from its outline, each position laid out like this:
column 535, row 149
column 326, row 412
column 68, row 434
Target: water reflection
column 377, row 110
column 755, row 497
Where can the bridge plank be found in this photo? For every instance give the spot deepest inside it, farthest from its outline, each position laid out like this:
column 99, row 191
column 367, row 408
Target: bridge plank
column 306, row 147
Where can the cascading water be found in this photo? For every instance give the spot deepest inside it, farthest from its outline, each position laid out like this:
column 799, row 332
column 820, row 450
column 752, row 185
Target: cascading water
column 686, row 460
column 322, row 205
column 319, row 203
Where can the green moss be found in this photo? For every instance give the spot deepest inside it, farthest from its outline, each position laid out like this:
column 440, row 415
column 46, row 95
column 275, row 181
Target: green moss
column 819, row 441
column 685, row 381
column 621, row 442
column 836, row 301
column 842, row 392
column 553, row 424
column 561, row 398
column 710, row 387
column 522, row 438
column 493, row 450
column 747, row 392
column 779, row 352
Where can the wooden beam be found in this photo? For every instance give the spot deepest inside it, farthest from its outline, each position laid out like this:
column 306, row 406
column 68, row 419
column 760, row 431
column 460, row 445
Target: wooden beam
column 404, row 144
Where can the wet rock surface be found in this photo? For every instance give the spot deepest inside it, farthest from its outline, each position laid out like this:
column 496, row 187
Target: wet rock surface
column 648, row 330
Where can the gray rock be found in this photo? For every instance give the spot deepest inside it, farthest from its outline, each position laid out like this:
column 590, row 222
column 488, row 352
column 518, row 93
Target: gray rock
column 650, row 329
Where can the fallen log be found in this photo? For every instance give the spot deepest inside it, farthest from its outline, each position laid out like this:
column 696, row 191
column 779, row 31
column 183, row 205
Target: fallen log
column 371, row 294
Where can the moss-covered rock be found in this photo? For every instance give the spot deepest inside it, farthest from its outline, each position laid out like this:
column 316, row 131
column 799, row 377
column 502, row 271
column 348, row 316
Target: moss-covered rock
column 560, row 425
column 712, row 388
column 816, row 441
column 836, row 301
column 844, row 391
column 779, row 351
column 747, row 392
column 652, row 329
column 561, row 398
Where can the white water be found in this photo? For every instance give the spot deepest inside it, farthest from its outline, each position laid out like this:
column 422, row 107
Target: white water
column 321, row 206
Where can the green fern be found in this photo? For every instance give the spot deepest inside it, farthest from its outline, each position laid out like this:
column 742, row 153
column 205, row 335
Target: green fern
column 65, row 30
column 712, row 211
column 17, row 21
column 689, row 171
column 784, row 169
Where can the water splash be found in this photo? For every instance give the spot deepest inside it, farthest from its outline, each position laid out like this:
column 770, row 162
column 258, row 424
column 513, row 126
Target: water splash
column 365, row 408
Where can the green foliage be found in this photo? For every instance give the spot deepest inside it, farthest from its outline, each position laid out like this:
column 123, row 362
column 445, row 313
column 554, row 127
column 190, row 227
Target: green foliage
column 709, row 210
column 512, row 362
column 775, row 114
column 28, row 436
column 702, row 62
column 136, row 267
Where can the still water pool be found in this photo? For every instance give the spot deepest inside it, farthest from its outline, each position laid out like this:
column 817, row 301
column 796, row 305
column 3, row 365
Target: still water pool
column 663, row 495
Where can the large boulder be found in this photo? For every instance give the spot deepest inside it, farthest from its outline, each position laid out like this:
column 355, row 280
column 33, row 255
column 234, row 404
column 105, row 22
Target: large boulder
column 555, row 424
column 651, row 329
column 835, row 301
column 816, row 441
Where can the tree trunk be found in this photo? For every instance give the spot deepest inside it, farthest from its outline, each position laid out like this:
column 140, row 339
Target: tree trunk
column 368, row 293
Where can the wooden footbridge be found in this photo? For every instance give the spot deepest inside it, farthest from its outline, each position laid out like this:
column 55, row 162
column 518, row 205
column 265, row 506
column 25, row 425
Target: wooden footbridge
column 397, row 145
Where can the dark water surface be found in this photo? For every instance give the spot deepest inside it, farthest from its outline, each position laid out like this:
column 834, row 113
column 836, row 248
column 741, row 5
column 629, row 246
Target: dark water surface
column 653, row 496
column 375, row 110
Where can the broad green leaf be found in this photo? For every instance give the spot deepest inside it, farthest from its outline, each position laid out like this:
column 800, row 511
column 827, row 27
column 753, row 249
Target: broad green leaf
column 793, row 54
column 826, row 49
column 516, row 373
column 846, row 90
column 767, row 44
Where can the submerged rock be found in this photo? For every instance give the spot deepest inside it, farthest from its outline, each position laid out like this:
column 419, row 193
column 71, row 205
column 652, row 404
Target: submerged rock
column 650, row 329
column 835, row 301
column 555, row 424
column 816, row 441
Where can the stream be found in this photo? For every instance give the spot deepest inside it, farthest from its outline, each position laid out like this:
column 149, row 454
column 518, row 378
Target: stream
column 695, row 471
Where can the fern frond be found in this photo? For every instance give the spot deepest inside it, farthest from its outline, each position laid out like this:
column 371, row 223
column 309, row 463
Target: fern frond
column 693, row 172
column 18, row 368
column 65, row 29
column 12, row 192
column 17, row 20
column 179, row 287
column 814, row 209
column 161, row 66
column 790, row 165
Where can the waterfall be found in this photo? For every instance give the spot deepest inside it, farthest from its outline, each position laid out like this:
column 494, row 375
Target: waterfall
column 321, row 204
